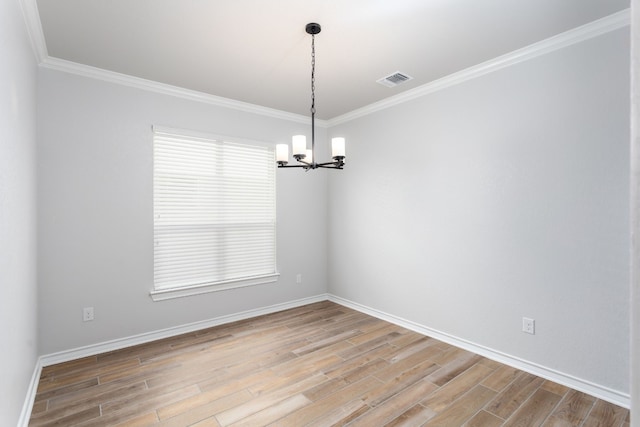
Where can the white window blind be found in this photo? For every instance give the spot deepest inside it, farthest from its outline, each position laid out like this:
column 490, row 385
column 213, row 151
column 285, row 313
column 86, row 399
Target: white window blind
column 214, row 213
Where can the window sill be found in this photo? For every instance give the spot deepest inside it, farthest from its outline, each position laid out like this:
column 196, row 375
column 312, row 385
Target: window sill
column 171, row 293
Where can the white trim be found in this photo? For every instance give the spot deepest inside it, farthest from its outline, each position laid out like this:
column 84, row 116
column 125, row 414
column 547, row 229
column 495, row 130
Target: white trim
column 614, row 396
column 166, row 294
column 573, row 36
column 165, row 89
column 593, row 29
column 120, row 343
column 27, row 407
column 34, row 29
column 604, row 393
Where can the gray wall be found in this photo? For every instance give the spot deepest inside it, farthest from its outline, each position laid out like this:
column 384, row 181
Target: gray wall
column 501, row 197
column 635, row 213
column 18, row 300
column 95, row 224
column 465, row 210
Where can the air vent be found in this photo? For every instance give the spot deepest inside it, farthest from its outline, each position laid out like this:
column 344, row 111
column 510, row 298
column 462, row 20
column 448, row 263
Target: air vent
column 394, row 79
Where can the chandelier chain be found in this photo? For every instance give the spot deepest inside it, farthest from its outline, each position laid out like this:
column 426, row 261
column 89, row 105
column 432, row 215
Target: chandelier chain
column 313, row 74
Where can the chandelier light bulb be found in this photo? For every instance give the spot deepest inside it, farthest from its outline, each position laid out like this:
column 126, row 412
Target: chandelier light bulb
column 299, row 143
column 337, row 148
column 282, row 153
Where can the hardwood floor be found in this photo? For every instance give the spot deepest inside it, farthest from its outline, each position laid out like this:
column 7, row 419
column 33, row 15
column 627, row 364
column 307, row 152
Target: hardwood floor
column 317, row 365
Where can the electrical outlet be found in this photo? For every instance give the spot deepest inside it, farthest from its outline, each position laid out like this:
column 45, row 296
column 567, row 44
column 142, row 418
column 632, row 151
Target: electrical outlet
column 528, row 326
column 298, row 278
column 87, row 314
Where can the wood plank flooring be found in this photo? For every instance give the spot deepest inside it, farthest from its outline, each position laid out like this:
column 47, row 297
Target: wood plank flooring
column 318, row 365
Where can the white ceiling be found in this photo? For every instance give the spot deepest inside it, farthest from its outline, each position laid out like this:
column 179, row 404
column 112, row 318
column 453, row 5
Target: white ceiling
column 257, row 51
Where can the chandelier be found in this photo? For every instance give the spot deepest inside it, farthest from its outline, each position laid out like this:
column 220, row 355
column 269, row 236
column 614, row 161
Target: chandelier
column 305, row 157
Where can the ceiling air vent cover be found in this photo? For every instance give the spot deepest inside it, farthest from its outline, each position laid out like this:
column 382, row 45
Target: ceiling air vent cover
column 394, row 79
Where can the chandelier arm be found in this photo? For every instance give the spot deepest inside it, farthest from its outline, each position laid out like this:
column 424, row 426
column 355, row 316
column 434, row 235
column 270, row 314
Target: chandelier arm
column 293, row 166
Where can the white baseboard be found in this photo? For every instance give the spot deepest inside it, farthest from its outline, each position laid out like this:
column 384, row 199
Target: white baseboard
column 613, row 396
column 120, row 343
column 27, row 407
column 601, row 392
column 94, row 349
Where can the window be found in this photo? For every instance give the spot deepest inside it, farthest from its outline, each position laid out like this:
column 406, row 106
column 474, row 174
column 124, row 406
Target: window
column 214, row 214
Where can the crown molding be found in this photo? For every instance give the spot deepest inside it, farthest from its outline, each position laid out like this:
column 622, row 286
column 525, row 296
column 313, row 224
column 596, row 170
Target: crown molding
column 593, row 29
column 165, row 89
column 39, row 46
column 585, row 32
column 34, row 29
